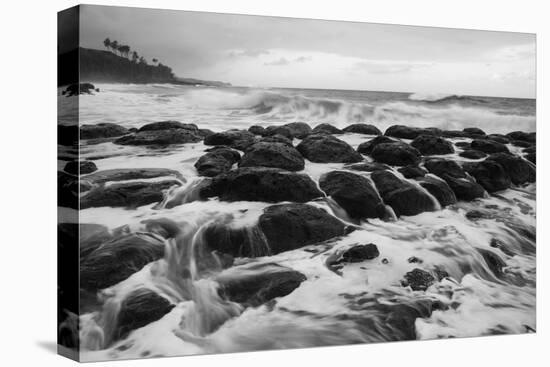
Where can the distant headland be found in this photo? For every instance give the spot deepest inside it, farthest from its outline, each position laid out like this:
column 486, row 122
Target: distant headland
column 117, row 64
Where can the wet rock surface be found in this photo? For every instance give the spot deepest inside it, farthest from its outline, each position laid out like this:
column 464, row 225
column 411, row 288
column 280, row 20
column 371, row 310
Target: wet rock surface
column 439, row 189
column 275, row 155
column 102, row 130
column 366, row 129
column 432, row 145
column 368, row 146
column 217, row 160
column 237, row 139
column 418, row 280
column 80, row 167
column 327, row 149
column 354, row 193
column 396, row 154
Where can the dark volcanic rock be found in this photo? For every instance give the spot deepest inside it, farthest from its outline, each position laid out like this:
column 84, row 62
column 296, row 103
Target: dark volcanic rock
column 367, row 166
column 488, row 146
column 326, row 129
column 261, row 184
column 439, row 189
column 327, row 149
column 257, row 130
column 405, row 132
column 499, row 138
column 472, row 154
column 67, row 190
column 396, row 154
column 116, row 260
column 473, row 131
column 493, row 261
column 489, row 174
column 167, row 125
column 235, row 241
column 519, row 170
column 299, row 130
column 418, row 280
column 79, row 88
column 354, row 193
column 82, row 167
column 140, row 308
column 531, row 157
column 259, row 283
column 279, row 130
column 520, row 135
column 368, row 146
column 412, row 171
column 463, row 144
column 444, row 167
column 430, row 145
column 464, row 189
column 453, row 134
column 359, row 253
column 404, row 197
column 237, row 139
column 218, row 160
column 291, row 226
column 277, row 138
column 125, row 174
column 103, row 130
column 366, row 129
column 160, row 137
column 521, row 143
column 128, row 195
column 276, row 155
column 531, row 149
column 67, row 135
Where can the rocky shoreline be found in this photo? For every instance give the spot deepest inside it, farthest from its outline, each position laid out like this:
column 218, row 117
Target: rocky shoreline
column 404, row 171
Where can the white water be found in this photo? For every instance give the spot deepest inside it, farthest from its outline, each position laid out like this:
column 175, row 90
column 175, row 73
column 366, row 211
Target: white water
column 327, row 309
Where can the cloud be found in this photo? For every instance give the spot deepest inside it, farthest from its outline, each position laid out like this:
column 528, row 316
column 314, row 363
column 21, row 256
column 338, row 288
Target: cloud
column 302, row 59
column 247, row 53
column 388, row 67
column 280, row 62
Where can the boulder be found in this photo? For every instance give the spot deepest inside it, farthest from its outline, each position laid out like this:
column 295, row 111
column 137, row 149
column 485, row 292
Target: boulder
column 290, row 226
column 519, row 170
column 257, row 284
column 418, row 280
column 367, row 166
column 140, row 308
column 366, row 129
column 464, row 189
column 444, row 167
column 493, row 261
column 277, row 138
column 226, row 238
column 531, row 149
column 521, row 143
column 488, row 146
column 117, row 259
column 218, row 160
column 67, row 190
column 257, row 130
column 299, row 130
column 499, row 138
column 261, row 184
column 472, row 154
column 126, row 174
column 79, row 88
column 404, row 197
column 439, row 189
column 411, row 171
column 463, row 145
column 531, row 157
column 276, row 155
column 489, row 174
column 368, row 146
column 128, row 195
column 405, row 132
column 453, row 134
column 354, row 193
column 360, row 253
column 102, row 130
column 279, row 130
column 520, row 135
column 430, row 145
column 327, row 149
column 80, row 167
column 396, row 154
column 237, row 139
column 473, row 131
column 169, row 125
column 326, row 129
column 160, row 137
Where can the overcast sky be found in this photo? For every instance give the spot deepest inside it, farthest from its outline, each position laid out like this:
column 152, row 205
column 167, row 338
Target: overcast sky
column 301, row 53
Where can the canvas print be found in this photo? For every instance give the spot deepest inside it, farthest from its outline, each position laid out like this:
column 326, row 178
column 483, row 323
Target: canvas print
column 234, row 183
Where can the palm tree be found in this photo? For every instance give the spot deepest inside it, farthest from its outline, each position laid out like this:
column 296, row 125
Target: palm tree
column 142, row 60
column 155, row 61
column 114, row 45
column 107, row 43
column 124, row 50
column 135, row 57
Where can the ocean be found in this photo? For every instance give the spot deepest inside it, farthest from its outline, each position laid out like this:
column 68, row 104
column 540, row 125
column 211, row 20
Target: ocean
column 360, row 305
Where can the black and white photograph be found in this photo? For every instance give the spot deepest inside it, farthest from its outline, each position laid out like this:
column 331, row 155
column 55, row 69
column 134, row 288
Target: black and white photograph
column 237, row 183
